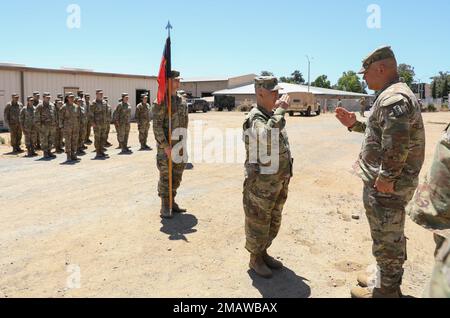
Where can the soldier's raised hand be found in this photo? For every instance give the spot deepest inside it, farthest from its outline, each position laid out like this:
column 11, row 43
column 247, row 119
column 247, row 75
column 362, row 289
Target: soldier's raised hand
column 284, row 102
column 347, row 118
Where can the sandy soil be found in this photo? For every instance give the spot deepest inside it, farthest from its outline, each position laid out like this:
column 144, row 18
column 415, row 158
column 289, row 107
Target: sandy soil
column 101, row 219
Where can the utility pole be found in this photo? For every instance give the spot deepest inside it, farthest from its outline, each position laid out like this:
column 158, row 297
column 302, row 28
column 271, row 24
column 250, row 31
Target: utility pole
column 309, row 71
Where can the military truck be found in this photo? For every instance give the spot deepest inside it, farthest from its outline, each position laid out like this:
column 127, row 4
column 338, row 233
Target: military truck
column 224, row 101
column 197, row 104
column 303, row 103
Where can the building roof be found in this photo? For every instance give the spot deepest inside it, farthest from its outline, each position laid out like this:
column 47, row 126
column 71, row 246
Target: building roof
column 290, row 88
column 214, row 78
column 74, row 71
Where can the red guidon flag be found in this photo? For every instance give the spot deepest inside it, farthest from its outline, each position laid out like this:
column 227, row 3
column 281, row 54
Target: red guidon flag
column 164, row 72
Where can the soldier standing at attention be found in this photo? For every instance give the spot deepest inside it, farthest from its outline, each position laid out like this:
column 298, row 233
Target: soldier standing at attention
column 389, row 164
column 83, row 126
column 46, row 124
column 180, row 120
column 11, row 115
column 362, row 103
column 36, row 102
column 265, row 188
column 58, row 132
column 108, row 121
column 123, row 120
column 98, row 114
column 143, row 118
column 87, row 99
column 27, row 122
column 69, row 122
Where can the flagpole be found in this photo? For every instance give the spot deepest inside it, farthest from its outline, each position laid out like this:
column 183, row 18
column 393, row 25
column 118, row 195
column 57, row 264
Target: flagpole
column 169, row 101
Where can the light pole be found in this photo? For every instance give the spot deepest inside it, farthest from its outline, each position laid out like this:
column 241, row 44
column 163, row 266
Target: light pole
column 309, row 71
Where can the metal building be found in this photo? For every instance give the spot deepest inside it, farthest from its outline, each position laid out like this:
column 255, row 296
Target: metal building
column 206, row 86
column 24, row 80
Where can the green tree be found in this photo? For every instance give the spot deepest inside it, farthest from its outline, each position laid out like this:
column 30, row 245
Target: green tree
column 445, row 88
column 439, row 82
column 350, row 82
column 295, row 78
column 434, row 90
column 266, row 73
column 322, row 81
column 406, row 72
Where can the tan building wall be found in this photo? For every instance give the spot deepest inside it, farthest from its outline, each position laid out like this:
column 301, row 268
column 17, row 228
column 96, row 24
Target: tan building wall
column 196, row 89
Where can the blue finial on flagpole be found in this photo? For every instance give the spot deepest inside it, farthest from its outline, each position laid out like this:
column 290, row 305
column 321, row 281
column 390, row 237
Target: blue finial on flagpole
column 169, row 27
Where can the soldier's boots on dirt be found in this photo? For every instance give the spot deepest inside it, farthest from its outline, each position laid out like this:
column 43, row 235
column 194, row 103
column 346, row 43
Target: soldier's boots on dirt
column 260, row 267
column 271, row 262
column 108, row 144
column 165, row 209
column 69, row 158
column 31, row 153
column 383, row 292
column 176, row 208
column 74, row 157
column 51, row 154
column 46, row 155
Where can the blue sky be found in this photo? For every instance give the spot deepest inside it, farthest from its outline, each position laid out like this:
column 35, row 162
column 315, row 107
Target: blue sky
column 225, row 37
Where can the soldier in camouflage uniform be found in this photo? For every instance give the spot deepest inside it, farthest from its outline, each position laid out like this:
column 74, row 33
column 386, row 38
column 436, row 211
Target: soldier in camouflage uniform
column 83, row 125
column 45, row 117
column 69, row 122
column 108, row 121
column 98, row 119
column 123, row 119
column 11, row 115
column 143, row 118
column 362, row 103
column 180, row 120
column 36, row 102
column 390, row 162
column 27, row 122
column 265, row 188
column 58, row 133
column 430, row 208
column 87, row 99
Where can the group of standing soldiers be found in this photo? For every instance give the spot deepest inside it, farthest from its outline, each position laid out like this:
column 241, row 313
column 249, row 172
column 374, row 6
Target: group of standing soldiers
column 69, row 121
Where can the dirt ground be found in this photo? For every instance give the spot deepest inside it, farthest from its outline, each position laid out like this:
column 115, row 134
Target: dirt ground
column 93, row 229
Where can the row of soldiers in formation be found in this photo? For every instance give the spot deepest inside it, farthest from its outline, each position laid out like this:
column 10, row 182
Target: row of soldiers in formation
column 69, row 121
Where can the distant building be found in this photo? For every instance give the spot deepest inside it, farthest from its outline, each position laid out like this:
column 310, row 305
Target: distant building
column 206, row 86
column 24, row 80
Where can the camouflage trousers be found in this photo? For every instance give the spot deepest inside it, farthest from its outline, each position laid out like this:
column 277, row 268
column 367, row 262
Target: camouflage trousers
column 16, row 135
column 30, row 138
column 100, row 138
column 123, row 134
column 108, row 129
column 143, row 133
column 82, row 135
column 58, row 138
column 162, row 163
column 386, row 215
column 47, row 137
column 264, row 199
column 439, row 286
column 116, row 127
column 71, row 137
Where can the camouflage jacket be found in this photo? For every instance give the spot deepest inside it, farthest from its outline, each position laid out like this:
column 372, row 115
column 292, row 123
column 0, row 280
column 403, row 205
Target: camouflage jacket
column 27, row 121
column 83, row 115
column 12, row 114
column 394, row 145
column 69, row 116
column 430, row 207
column 440, row 281
column 143, row 113
column 45, row 115
column 257, row 131
column 108, row 115
column 97, row 113
column 122, row 114
column 180, row 119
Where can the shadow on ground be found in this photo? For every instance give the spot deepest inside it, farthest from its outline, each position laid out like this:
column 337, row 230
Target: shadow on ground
column 180, row 226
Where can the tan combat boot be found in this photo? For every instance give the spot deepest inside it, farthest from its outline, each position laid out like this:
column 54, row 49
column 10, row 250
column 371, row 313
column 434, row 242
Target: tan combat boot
column 271, row 262
column 383, row 292
column 259, row 266
column 165, row 209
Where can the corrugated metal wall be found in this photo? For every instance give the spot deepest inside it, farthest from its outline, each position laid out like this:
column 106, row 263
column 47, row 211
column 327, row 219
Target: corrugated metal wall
column 9, row 84
column 113, row 87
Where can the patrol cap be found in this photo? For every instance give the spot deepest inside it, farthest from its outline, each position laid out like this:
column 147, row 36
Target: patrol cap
column 60, row 96
column 36, row 93
column 175, row 74
column 144, row 95
column 80, row 92
column 379, row 54
column 267, row 82
column 30, row 98
column 46, row 94
column 98, row 91
column 105, row 97
column 70, row 94
column 57, row 100
column 124, row 95
column 77, row 99
column 15, row 95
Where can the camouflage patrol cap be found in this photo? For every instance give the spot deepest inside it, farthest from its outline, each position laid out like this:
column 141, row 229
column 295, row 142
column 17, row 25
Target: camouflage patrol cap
column 36, row 93
column 380, row 54
column 60, row 96
column 70, row 94
column 15, row 95
column 144, row 95
column 175, row 74
column 124, row 95
column 98, row 91
column 46, row 94
column 267, row 82
column 30, row 98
